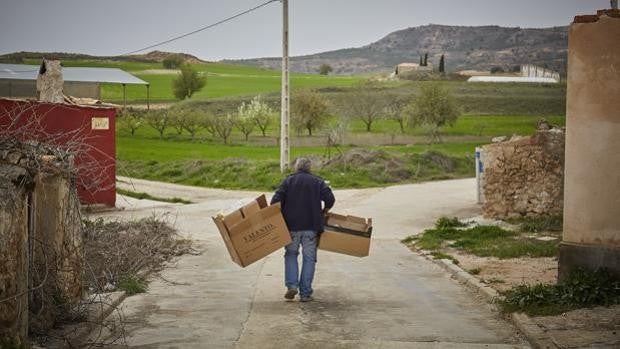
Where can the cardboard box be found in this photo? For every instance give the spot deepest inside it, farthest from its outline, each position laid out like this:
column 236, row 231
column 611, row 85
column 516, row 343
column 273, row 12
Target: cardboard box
column 253, row 231
column 347, row 235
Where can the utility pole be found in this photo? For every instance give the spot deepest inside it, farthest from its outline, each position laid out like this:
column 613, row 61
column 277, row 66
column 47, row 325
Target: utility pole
column 284, row 120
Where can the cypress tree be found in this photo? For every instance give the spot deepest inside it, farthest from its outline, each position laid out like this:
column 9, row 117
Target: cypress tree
column 442, row 62
column 426, row 59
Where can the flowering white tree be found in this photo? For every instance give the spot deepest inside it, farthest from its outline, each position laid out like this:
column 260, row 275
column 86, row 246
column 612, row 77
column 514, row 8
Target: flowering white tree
column 260, row 112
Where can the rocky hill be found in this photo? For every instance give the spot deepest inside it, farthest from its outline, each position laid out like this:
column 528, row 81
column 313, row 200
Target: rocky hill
column 478, row 48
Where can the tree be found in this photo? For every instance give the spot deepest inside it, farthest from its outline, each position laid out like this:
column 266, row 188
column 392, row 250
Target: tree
column 442, row 65
column 187, row 83
column 325, row 69
column 223, row 126
column 261, row 113
column 421, row 61
column 395, row 108
column 245, row 121
column 186, row 119
column 131, row 120
column 173, row 61
column 207, row 121
column 159, row 120
column 433, row 108
column 175, row 120
column 365, row 102
column 426, row 59
column 309, row 110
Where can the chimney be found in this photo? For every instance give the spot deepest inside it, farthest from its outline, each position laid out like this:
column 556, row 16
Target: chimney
column 50, row 81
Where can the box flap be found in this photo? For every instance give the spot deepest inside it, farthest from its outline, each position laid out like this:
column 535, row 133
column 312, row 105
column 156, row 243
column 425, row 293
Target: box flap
column 233, row 218
column 219, row 223
column 262, row 201
column 348, row 222
column 250, row 209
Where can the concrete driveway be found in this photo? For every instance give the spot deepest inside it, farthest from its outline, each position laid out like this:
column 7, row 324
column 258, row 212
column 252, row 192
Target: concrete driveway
column 391, row 299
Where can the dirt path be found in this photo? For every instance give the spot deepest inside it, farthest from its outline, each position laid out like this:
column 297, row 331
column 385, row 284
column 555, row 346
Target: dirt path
column 391, row 299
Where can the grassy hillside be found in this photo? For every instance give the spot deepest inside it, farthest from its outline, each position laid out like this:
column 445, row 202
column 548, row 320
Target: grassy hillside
column 223, row 80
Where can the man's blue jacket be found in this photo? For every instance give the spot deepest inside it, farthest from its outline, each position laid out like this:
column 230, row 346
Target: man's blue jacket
column 300, row 195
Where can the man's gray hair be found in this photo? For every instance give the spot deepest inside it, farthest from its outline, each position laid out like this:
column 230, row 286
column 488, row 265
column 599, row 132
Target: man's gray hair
column 303, row 164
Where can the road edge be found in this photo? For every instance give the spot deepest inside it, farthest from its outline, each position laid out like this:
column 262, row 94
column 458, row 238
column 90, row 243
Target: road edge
column 536, row 337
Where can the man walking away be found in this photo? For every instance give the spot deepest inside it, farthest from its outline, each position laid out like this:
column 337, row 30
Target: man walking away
column 300, row 195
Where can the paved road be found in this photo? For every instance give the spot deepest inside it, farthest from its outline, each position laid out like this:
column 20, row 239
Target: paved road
column 391, row 299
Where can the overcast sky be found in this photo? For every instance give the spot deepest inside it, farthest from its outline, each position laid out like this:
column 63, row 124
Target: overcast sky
column 113, row 27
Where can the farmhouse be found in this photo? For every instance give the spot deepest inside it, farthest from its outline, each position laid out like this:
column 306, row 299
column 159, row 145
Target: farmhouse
column 412, row 67
column 20, row 80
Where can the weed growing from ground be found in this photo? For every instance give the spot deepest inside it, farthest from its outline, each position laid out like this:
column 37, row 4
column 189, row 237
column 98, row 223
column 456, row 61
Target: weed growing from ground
column 446, row 222
column 582, row 288
column 132, row 285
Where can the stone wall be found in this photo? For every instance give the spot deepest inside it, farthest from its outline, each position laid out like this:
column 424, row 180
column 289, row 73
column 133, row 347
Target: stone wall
column 524, row 176
column 41, row 252
column 15, row 184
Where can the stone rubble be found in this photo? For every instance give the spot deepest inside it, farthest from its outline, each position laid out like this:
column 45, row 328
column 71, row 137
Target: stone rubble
column 524, row 176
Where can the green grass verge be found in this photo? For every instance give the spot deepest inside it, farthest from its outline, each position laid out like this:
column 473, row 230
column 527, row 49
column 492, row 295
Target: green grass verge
column 357, row 168
column 580, row 289
column 483, row 241
column 147, row 196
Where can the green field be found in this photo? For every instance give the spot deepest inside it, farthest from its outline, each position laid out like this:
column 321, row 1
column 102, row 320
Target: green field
column 382, row 157
column 223, row 80
column 254, row 165
column 232, row 84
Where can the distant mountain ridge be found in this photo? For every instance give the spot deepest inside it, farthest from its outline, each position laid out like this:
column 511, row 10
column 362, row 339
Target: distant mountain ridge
column 153, row 56
column 478, row 48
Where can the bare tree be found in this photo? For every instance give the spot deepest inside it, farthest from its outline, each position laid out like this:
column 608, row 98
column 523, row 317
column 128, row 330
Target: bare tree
column 395, row 107
column 366, row 102
column 189, row 120
column 175, row 119
column 131, row 120
column 223, row 126
column 159, row 120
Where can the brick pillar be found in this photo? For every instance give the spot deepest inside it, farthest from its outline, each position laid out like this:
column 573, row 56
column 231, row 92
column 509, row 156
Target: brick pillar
column 592, row 179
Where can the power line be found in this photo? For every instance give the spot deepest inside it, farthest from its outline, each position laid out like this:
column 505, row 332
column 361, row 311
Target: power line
column 202, row 28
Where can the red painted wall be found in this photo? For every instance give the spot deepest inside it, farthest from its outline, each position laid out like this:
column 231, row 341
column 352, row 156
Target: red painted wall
column 71, row 127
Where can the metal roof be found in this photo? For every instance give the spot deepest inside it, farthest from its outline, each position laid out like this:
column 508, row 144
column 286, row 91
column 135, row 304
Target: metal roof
column 511, row 79
column 72, row 74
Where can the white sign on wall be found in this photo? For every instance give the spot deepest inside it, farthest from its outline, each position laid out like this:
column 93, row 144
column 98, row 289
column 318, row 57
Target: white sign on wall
column 100, row 123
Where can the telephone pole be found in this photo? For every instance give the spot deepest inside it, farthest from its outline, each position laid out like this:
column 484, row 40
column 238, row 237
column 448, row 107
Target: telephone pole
column 284, row 120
